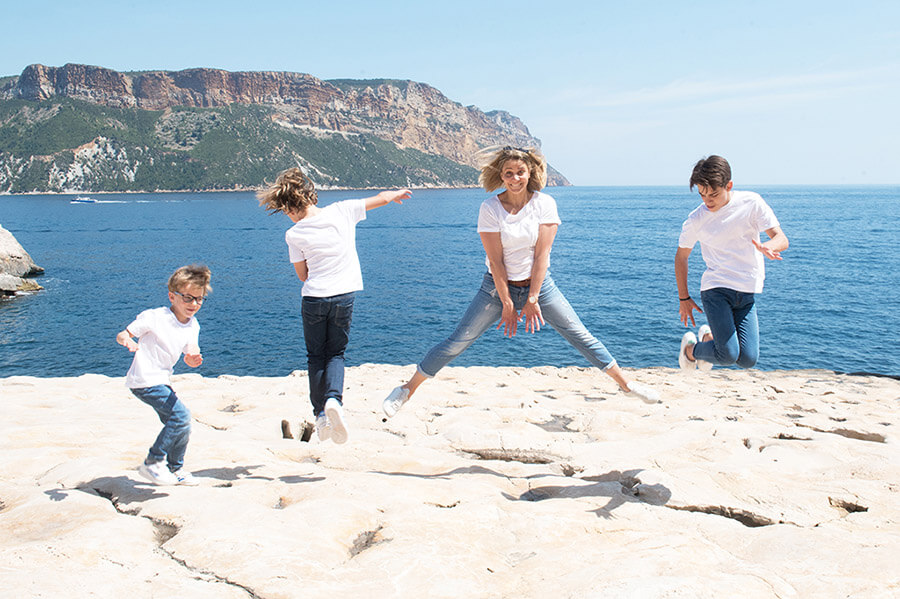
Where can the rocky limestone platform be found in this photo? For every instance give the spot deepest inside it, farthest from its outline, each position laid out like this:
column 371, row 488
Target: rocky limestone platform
column 491, row 482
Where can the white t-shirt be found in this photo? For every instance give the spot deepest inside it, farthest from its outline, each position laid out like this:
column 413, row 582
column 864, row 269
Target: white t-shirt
column 161, row 341
column 725, row 241
column 327, row 242
column 518, row 232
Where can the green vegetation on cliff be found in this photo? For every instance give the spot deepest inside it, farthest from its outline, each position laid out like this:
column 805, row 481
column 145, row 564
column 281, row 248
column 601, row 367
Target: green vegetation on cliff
column 66, row 144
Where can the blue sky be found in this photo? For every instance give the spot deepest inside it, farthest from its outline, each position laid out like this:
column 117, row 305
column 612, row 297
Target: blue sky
column 620, row 93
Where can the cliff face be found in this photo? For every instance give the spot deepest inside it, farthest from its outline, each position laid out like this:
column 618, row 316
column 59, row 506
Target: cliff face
column 409, row 114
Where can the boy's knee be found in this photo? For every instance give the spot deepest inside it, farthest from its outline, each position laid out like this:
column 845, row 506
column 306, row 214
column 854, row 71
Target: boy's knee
column 746, row 361
column 727, row 355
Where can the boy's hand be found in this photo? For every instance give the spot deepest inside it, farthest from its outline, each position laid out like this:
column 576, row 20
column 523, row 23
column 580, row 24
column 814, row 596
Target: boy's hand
column 686, row 311
column 193, row 360
column 125, row 340
column 767, row 252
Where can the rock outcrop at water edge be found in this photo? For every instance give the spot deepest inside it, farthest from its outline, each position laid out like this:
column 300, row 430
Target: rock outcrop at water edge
column 15, row 264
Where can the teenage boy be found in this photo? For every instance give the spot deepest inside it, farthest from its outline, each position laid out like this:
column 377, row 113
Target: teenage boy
column 727, row 225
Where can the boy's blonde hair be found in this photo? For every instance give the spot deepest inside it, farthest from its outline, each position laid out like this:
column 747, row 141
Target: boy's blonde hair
column 494, row 159
column 193, row 274
column 291, row 192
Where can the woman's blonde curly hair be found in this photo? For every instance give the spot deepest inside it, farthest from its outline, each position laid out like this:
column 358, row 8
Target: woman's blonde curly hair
column 291, row 192
column 493, row 159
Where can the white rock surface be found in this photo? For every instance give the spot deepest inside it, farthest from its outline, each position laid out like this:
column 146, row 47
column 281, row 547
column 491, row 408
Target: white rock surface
column 750, row 484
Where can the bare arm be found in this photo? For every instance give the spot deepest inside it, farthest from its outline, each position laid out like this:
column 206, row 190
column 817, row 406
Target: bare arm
column 778, row 242
column 192, row 356
column 126, row 339
column 386, row 197
column 493, row 247
column 302, row 270
column 686, row 304
column 532, row 311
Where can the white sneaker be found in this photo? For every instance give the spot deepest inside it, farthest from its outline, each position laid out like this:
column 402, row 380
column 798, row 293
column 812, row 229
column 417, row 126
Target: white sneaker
column 158, row 473
column 323, row 427
column 686, row 364
column 335, row 414
column 185, row 478
column 701, row 333
column 395, row 400
column 643, row 392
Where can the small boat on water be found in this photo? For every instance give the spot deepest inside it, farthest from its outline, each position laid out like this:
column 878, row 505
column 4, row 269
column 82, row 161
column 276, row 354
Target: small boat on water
column 83, row 200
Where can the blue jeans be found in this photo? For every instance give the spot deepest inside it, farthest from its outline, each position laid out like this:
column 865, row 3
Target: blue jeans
column 326, row 329
column 732, row 318
column 486, row 309
column 172, row 440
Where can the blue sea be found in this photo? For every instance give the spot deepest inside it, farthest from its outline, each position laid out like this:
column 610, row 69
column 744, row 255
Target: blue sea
column 832, row 303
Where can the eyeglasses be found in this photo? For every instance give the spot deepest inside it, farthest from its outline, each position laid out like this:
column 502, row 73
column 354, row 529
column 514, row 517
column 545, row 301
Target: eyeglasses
column 190, row 299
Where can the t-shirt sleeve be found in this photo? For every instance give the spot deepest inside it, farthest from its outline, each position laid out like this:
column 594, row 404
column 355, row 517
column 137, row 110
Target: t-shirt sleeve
column 141, row 324
column 547, row 211
column 295, row 252
column 488, row 222
column 764, row 216
column 688, row 237
column 354, row 209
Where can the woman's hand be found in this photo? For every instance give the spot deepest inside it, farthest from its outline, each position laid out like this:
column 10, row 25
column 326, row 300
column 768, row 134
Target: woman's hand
column 532, row 316
column 509, row 320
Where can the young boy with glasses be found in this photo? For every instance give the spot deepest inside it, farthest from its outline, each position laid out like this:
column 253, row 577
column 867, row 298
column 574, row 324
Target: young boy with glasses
column 163, row 334
column 322, row 248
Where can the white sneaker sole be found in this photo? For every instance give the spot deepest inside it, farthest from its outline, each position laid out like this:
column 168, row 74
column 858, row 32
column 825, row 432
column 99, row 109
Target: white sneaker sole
column 701, row 333
column 687, row 339
column 335, row 415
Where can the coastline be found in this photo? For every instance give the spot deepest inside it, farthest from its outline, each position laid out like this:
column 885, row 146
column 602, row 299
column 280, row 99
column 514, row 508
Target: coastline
column 490, row 482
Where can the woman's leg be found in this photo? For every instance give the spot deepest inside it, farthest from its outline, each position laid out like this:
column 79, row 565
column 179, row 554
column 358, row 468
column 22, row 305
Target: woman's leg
column 560, row 315
column 484, row 311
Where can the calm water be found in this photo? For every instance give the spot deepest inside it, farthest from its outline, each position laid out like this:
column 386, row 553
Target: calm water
column 832, row 303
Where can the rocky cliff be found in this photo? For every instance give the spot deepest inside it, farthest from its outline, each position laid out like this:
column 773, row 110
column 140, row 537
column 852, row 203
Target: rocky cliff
column 411, row 117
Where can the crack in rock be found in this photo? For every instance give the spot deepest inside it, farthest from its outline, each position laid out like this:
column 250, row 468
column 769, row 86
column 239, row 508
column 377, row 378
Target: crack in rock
column 526, row 456
column 848, row 506
column 164, row 532
column 746, row 518
column 846, row 432
column 366, row 540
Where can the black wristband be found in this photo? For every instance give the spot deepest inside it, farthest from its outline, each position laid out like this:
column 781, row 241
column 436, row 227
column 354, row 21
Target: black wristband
column 684, row 299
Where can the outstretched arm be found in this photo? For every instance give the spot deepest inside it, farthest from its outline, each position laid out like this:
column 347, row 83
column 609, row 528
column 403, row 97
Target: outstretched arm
column 686, row 304
column 493, row 247
column 778, row 242
column 386, row 197
column 125, row 338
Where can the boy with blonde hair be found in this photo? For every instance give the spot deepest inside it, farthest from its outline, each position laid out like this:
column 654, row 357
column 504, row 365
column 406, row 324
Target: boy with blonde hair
column 163, row 335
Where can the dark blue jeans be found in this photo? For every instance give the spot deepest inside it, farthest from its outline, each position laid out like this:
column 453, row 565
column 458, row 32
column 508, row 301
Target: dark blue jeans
column 326, row 329
column 172, row 441
column 732, row 318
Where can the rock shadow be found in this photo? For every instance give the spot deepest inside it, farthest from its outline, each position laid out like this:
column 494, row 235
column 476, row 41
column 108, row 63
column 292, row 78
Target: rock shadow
column 231, row 474
column 295, row 479
column 619, row 487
